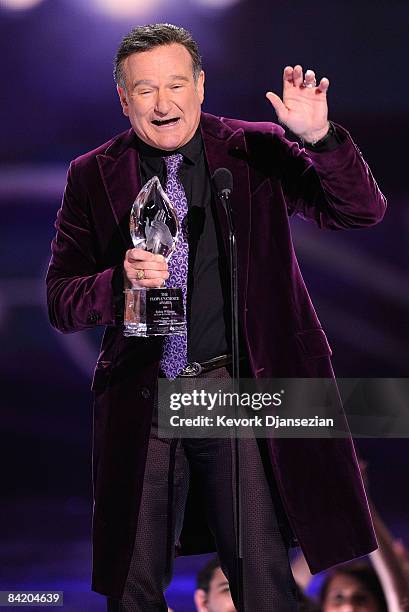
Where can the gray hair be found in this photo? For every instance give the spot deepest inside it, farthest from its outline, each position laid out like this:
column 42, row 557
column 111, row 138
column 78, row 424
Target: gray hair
column 147, row 37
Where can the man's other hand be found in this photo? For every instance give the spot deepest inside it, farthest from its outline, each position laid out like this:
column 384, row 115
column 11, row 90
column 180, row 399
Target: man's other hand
column 304, row 108
column 144, row 269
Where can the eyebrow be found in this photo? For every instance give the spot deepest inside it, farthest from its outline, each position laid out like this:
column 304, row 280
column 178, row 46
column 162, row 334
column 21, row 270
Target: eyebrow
column 173, row 77
column 179, row 77
column 222, row 584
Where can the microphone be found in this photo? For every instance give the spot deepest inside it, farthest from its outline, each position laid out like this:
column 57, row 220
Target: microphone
column 222, row 181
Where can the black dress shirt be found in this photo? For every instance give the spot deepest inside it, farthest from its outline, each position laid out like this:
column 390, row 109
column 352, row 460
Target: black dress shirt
column 208, row 281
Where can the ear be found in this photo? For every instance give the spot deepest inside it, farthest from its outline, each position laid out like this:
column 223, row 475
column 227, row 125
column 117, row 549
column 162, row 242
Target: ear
column 200, row 86
column 123, row 98
column 200, row 599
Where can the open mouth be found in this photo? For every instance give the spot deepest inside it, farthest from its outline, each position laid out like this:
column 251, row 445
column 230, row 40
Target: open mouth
column 165, row 122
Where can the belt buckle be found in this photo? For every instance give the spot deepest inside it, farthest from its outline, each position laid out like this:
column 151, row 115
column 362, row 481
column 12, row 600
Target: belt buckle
column 191, row 369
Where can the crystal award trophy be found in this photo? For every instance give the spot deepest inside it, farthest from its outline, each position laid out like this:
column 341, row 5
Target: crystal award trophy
column 154, row 226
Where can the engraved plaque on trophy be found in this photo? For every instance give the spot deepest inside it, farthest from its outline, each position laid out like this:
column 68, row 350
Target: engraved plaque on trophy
column 154, row 226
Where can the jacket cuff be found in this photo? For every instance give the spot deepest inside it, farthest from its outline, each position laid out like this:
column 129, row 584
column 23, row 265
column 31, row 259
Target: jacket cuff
column 330, row 141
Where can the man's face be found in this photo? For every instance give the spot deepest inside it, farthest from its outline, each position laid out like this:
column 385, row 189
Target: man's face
column 346, row 594
column 218, row 598
column 162, row 99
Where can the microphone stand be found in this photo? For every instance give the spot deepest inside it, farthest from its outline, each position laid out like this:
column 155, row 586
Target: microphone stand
column 224, row 197
column 236, row 485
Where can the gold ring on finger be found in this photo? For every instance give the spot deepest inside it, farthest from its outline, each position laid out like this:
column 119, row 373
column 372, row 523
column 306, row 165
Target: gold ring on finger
column 140, row 274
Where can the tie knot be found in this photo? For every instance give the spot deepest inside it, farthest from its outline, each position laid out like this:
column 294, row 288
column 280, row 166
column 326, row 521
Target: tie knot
column 173, row 163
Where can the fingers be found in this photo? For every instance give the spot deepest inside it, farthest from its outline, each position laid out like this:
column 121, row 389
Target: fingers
column 140, row 255
column 148, row 265
column 297, row 76
column 288, row 75
column 140, row 274
column 309, row 79
column 153, row 282
column 145, row 269
column 294, row 77
column 278, row 105
column 323, row 84
column 150, row 278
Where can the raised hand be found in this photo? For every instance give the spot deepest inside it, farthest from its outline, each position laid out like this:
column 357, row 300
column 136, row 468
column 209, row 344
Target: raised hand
column 304, row 108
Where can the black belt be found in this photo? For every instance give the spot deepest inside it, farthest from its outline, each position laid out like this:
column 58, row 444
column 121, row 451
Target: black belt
column 195, row 368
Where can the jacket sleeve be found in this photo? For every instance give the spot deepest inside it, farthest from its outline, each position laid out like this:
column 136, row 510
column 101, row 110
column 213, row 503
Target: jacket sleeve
column 333, row 188
column 80, row 295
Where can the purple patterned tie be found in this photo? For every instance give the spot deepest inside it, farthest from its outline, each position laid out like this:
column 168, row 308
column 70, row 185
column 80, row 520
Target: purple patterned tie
column 174, row 356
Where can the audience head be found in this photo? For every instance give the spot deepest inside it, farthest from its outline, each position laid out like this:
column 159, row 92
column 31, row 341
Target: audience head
column 213, row 593
column 352, row 588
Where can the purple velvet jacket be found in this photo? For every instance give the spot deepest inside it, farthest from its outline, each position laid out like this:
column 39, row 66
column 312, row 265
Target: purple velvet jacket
column 318, row 479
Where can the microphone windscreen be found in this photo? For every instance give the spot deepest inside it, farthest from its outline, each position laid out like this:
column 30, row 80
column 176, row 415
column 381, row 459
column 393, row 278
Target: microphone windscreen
column 222, row 180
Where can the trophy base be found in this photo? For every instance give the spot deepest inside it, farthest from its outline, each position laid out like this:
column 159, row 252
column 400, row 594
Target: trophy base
column 154, row 312
column 144, row 331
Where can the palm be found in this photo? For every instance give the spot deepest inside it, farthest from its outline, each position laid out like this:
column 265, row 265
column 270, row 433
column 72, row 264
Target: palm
column 303, row 109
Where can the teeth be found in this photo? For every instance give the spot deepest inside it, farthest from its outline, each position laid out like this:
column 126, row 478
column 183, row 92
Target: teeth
column 165, row 121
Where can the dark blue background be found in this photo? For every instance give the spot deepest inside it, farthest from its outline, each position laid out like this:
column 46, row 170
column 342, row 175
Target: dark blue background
column 57, row 101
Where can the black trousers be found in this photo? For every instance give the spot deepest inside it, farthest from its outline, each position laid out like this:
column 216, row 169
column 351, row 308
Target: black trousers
column 267, row 582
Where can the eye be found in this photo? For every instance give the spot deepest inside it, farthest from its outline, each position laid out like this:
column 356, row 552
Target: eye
column 176, row 86
column 145, row 92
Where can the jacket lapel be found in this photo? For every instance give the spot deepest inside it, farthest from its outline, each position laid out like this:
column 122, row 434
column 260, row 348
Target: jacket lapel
column 119, row 168
column 226, row 148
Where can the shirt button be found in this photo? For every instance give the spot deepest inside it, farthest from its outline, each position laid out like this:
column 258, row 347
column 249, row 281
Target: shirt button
column 145, row 393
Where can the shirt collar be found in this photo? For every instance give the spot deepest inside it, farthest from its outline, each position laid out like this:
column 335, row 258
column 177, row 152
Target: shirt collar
column 191, row 151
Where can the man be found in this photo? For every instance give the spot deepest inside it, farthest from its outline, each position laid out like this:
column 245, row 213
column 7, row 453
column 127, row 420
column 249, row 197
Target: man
column 151, row 494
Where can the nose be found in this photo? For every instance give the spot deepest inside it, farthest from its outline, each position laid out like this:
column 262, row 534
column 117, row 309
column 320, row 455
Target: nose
column 162, row 103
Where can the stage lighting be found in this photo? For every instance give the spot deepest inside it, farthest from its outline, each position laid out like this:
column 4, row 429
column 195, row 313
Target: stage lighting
column 126, row 8
column 18, row 5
